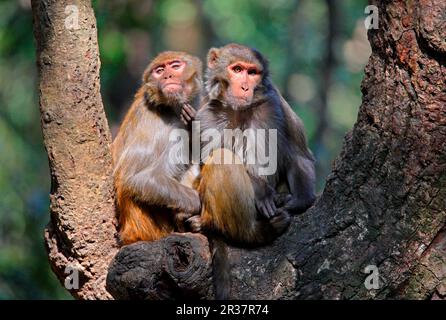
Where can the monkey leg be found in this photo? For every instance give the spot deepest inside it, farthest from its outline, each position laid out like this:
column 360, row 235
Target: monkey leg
column 190, row 179
column 228, row 201
column 141, row 223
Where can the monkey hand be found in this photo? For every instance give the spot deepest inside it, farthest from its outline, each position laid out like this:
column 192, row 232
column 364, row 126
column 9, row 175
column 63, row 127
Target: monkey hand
column 295, row 205
column 266, row 206
column 281, row 199
column 281, row 221
column 188, row 114
column 264, row 198
column 194, row 223
column 180, row 220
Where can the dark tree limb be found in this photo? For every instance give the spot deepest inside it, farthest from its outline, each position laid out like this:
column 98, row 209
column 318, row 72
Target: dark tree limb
column 176, row 267
column 384, row 203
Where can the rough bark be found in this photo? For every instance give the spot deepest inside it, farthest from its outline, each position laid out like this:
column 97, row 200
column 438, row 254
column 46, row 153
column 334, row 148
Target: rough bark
column 176, row 267
column 384, row 204
column 81, row 232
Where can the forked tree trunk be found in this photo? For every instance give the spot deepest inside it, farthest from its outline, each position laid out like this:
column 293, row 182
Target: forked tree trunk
column 81, row 232
column 384, row 203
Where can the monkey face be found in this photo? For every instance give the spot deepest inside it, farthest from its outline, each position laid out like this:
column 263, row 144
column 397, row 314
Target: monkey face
column 169, row 75
column 235, row 75
column 243, row 79
column 172, row 79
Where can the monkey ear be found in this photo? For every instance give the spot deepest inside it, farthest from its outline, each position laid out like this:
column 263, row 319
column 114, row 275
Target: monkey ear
column 213, row 56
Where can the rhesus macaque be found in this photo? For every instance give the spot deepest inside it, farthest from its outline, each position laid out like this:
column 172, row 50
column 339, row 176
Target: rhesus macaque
column 152, row 193
column 237, row 201
column 240, row 203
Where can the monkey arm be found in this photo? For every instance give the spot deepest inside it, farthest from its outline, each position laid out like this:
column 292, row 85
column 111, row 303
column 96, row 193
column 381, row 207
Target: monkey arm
column 301, row 174
column 264, row 196
column 301, row 181
column 153, row 188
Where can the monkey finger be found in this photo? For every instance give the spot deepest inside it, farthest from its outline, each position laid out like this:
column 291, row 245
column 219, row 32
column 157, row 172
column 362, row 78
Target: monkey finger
column 187, row 107
column 280, row 199
column 270, row 207
column 260, row 205
column 281, row 222
column 291, row 205
column 186, row 115
column 189, row 110
column 194, row 223
column 184, row 120
column 192, row 112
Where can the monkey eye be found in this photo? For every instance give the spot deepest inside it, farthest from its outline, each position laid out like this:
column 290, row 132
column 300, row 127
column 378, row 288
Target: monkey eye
column 252, row 72
column 176, row 66
column 237, row 69
column 159, row 70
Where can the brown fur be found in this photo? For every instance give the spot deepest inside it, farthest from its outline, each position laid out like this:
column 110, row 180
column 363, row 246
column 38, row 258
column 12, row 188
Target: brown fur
column 228, row 195
column 231, row 195
column 149, row 189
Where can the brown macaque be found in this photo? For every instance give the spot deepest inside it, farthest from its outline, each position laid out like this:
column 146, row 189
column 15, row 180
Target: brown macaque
column 241, row 203
column 153, row 191
column 240, row 95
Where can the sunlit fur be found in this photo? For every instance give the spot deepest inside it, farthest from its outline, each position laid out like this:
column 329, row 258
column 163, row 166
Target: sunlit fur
column 227, row 192
column 149, row 189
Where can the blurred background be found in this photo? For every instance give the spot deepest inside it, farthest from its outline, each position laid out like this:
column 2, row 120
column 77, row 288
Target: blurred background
column 317, row 51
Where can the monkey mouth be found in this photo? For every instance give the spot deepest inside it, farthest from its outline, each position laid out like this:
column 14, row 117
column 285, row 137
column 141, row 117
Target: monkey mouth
column 172, row 86
column 242, row 101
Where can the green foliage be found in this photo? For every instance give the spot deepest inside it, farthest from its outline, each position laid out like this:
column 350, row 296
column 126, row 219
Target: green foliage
column 292, row 34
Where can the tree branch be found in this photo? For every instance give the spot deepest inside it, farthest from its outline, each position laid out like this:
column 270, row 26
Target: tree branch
column 81, row 233
column 384, row 203
column 175, row 267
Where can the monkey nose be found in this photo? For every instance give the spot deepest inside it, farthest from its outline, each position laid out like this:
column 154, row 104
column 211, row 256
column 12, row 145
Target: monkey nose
column 245, row 88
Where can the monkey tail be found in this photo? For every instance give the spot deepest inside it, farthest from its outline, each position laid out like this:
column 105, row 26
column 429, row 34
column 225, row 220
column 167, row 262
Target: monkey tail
column 221, row 268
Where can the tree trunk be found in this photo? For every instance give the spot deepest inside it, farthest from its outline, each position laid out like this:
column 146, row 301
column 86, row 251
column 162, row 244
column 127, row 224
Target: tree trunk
column 81, row 232
column 384, row 204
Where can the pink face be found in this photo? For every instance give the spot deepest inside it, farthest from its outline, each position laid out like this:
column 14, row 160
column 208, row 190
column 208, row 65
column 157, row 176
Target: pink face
column 170, row 75
column 243, row 78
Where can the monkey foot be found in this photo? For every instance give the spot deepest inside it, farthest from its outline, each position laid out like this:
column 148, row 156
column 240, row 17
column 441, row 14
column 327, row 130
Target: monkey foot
column 194, row 223
column 281, row 221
